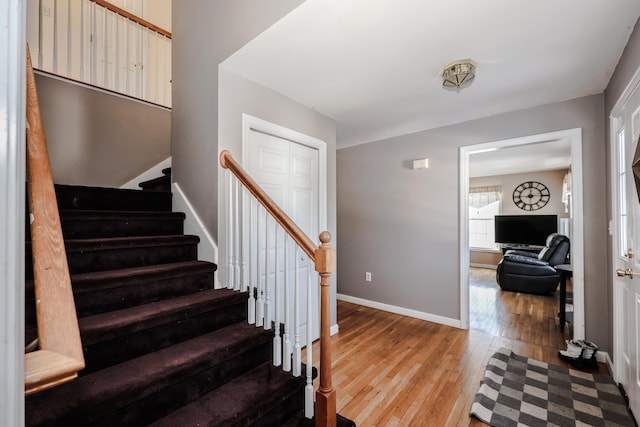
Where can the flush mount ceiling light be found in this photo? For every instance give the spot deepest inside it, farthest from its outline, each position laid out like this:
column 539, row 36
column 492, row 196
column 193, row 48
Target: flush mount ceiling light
column 458, row 74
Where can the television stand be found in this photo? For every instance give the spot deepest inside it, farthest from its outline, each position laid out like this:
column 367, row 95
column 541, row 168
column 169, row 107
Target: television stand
column 524, row 248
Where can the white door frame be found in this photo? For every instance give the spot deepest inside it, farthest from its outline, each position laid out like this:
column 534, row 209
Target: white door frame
column 616, row 111
column 12, row 195
column 253, row 123
column 577, row 237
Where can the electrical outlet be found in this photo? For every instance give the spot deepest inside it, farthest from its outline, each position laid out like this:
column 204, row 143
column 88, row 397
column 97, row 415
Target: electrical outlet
column 367, row 276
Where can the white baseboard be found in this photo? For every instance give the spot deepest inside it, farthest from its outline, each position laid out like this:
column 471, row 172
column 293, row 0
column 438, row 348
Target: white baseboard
column 207, row 249
column 489, row 266
column 603, row 357
column 334, row 329
column 455, row 323
column 151, row 173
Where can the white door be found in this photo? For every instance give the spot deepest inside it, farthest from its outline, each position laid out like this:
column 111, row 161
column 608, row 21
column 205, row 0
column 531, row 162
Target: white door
column 289, row 173
column 626, row 252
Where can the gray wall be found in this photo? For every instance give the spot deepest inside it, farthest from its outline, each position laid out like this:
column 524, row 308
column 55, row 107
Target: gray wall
column 239, row 95
column 628, row 65
column 86, row 148
column 204, row 33
column 402, row 224
column 552, row 179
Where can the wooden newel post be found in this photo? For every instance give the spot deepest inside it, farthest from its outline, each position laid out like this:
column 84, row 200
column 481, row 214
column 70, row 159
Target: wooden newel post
column 325, row 258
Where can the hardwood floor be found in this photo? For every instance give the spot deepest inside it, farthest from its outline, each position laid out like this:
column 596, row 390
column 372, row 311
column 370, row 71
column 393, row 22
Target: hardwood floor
column 392, row 370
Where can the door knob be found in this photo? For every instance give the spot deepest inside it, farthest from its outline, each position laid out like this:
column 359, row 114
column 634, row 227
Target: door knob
column 629, row 253
column 622, row 272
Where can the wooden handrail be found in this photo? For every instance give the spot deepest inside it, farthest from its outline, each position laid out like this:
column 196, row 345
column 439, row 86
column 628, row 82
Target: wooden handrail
column 130, row 16
column 227, row 161
column 324, row 258
column 60, row 356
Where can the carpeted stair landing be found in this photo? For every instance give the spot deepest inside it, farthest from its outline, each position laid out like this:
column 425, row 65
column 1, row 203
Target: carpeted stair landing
column 162, row 347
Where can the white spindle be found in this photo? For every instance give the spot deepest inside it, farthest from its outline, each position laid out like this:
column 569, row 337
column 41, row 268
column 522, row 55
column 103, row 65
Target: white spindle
column 286, row 365
column 236, row 236
column 55, row 36
column 82, row 38
column 260, row 301
column 118, row 54
column 93, row 44
column 252, row 299
column 229, row 252
column 297, row 350
column 40, row 35
column 277, row 340
column 308, row 390
column 267, row 273
column 69, row 39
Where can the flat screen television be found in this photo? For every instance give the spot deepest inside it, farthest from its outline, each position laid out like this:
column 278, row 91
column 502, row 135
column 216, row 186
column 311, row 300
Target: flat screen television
column 525, row 229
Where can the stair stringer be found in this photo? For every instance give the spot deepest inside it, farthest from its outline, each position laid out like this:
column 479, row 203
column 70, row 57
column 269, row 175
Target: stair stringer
column 207, row 248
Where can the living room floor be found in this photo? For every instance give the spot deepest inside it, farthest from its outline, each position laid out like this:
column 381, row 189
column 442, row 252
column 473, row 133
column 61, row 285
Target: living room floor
column 393, row 370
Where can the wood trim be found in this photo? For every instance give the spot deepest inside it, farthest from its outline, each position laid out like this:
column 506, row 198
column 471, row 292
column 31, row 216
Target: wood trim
column 58, row 330
column 113, row 8
column 299, row 236
column 46, row 369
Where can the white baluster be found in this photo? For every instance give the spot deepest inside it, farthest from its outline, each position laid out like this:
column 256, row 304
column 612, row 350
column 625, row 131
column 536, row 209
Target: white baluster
column 277, row 341
column 55, row 36
column 259, row 302
column 40, row 35
column 286, row 366
column 228, row 276
column 267, row 273
column 93, row 78
column 308, row 390
column 252, row 299
column 236, row 236
column 297, row 352
column 82, row 38
column 70, row 26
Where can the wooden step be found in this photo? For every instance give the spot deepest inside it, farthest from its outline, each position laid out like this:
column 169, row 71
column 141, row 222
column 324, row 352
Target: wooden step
column 117, row 336
column 165, row 380
column 265, row 396
column 102, row 291
column 89, row 255
column 104, row 199
column 80, row 224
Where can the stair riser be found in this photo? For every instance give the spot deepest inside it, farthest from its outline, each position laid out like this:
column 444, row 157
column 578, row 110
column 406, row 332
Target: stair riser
column 102, row 259
column 110, row 297
column 84, row 229
column 280, row 413
column 187, row 390
column 101, row 301
column 107, row 353
column 95, row 228
column 87, row 198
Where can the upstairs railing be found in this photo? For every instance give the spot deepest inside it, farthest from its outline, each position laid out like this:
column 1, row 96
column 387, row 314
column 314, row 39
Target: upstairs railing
column 60, row 355
column 265, row 249
column 98, row 43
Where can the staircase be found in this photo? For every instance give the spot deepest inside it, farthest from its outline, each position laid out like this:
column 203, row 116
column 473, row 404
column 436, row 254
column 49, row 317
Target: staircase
column 162, row 347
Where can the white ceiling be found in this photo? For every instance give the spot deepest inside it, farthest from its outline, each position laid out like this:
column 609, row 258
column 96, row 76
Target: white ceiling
column 374, row 65
column 541, row 156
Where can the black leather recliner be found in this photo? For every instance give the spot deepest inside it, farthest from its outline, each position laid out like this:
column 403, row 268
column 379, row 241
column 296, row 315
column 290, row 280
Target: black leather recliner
column 528, row 272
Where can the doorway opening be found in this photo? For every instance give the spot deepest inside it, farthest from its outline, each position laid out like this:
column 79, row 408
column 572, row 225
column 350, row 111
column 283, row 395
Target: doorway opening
column 573, row 137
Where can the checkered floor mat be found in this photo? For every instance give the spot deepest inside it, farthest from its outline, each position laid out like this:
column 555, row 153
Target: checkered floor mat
column 518, row 391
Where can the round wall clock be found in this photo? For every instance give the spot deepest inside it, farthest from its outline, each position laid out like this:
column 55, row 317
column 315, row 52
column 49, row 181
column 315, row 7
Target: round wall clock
column 531, row 195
